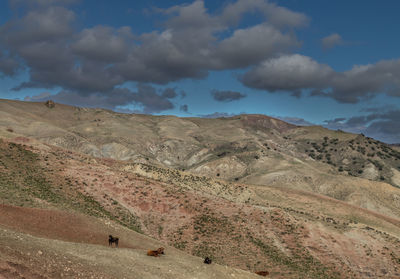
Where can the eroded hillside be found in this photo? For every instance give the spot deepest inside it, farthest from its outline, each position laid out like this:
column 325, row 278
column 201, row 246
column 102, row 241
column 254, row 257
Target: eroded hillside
column 290, row 233
column 248, row 148
column 251, row 192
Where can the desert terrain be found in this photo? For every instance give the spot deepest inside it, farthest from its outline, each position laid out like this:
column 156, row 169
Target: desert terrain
column 251, row 192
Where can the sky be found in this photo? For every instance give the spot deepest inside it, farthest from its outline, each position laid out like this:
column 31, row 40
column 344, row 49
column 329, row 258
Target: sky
column 315, row 62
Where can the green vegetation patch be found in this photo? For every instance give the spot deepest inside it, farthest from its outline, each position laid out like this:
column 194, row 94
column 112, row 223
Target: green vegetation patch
column 301, row 261
column 207, row 224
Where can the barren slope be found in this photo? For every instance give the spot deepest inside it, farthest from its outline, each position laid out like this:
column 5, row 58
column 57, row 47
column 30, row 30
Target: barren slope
column 252, row 149
column 37, row 243
column 291, row 233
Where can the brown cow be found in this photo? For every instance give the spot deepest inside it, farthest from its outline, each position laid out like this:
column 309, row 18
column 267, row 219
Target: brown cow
column 155, row 253
column 262, row 273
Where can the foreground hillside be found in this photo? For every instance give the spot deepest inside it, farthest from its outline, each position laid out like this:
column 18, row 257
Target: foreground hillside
column 43, row 250
column 37, row 243
column 59, row 206
column 50, row 228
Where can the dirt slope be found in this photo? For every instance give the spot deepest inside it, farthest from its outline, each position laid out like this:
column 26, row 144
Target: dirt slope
column 251, row 192
column 291, row 233
column 37, row 243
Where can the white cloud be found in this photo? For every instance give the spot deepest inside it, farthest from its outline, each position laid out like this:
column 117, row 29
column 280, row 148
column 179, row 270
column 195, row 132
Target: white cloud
column 295, row 73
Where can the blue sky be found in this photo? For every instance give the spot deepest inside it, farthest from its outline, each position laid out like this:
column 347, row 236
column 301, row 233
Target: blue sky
column 331, row 63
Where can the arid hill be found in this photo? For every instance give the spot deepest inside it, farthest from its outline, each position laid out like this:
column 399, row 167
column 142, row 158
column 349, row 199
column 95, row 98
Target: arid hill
column 251, row 192
column 252, row 149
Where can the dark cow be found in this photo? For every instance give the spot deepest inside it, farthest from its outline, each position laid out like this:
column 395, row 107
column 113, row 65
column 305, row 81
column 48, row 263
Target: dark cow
column 262, row 273
column 207, row 260
column 112, row 240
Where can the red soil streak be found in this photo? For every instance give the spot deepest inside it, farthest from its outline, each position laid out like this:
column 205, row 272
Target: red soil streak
column 55, row 224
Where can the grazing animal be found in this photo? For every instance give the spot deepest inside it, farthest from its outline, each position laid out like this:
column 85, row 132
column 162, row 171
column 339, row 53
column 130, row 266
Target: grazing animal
column 112, row 240
column 207, row 260
column 155, row 253
column 262, row 273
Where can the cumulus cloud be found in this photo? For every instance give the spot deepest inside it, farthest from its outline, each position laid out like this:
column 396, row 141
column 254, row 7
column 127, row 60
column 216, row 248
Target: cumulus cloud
column 102, row 43
column 44, row 25
column 41, row 40
column 190, row 43
column 331, row 41
column 295, row 73
column 9, row 66
column 226, row 95
column 289, row 73
column 365, row 81
column 91, row 64
column 248, row 46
